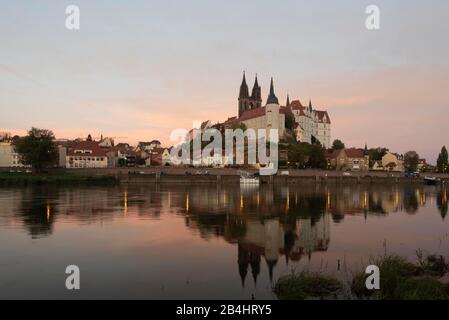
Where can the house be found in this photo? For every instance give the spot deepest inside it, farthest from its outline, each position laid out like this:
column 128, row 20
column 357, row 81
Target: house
column 348, row 159
column 422, row 165
column 159, row 157
column 8, row 155
column 62, row 146
column 143, row 149
column 393, row 162
column 86, row 154
column 121, row 155
column 148, row 146
column 377, row 166
column 106, row 142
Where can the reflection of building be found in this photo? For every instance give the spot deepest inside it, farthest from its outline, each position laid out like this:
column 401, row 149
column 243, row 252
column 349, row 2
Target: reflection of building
column 271, row 239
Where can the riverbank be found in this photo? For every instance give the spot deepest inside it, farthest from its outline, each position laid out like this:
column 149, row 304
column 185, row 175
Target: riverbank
column 171, row 175
column 22, row 179
column 428, row 279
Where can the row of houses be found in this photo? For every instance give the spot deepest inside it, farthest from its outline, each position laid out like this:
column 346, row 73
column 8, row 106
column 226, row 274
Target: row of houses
column 97, row 154
column 355, row 159
column 105, row 154
column 94, row 154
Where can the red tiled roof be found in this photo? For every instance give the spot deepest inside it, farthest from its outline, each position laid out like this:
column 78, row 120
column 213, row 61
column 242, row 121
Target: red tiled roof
column 296, row 104
column 158, row 150
column 332, row 155
column 354, row 153
column 253, row 113
column 321, row 114
column 96, row 150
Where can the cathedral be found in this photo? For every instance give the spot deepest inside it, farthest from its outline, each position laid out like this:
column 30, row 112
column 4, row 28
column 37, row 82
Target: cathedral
column 310, row 125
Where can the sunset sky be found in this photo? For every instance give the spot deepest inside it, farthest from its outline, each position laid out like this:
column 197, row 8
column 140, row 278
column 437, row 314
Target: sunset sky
column 138, row 69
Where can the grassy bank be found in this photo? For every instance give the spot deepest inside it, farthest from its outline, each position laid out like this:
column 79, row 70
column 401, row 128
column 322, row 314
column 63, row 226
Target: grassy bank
column 399, row 280
column 21, row 179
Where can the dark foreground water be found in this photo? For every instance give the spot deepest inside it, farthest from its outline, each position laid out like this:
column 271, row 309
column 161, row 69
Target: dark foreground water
column 206, row 242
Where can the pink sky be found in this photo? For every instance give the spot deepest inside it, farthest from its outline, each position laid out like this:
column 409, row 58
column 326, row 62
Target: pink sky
column 141, row 70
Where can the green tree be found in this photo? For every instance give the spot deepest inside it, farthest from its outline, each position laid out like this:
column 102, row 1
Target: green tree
column 5, row 136
column 316, row 157
column 338, row 145
column 442, row 161
column 411, row 159
column 289, row 121
column 37, row 149
column 298, row 153
column 121, row 162
column 376, row 154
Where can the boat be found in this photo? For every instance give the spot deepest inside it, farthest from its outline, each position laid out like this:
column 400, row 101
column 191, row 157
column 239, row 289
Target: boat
column 249, row 180
column 431, row 180
column 246, row 178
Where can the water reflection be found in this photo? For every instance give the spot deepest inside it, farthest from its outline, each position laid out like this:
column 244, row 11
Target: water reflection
column 266, row 225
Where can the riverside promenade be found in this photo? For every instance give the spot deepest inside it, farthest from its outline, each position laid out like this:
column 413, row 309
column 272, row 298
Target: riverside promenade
column 232, row 175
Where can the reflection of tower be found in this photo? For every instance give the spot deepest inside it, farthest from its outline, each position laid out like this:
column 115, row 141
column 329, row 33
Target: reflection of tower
column 255, row 266
column 243, row 261
column 272, row 244
column 245, row 258
column 271, row 264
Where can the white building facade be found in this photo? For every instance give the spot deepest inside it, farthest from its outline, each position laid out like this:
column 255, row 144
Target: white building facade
column 86, row 154
column 311, row 123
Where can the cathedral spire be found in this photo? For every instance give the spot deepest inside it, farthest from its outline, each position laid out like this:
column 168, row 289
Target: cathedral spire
column 272, row 99
column 310, row 104
column 244, row 93
column 256, row 96
column 287, row 104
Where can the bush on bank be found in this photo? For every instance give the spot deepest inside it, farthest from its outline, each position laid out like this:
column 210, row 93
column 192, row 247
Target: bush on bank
column 399, row 279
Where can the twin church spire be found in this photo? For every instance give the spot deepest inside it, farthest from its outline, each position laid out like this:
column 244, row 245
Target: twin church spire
column 253, row 101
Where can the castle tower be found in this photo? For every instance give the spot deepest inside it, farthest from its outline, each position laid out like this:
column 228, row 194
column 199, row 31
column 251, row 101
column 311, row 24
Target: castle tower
column 272, row 99
column 272, row 113
column 244, row 99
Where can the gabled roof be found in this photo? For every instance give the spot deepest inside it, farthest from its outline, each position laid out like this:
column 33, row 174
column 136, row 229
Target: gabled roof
column 96, row 150
column 321, row 114
column 296, row 104
column 354, row 153
column 332, row 155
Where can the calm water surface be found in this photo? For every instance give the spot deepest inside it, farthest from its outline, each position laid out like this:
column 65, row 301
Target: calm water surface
column 205, row 242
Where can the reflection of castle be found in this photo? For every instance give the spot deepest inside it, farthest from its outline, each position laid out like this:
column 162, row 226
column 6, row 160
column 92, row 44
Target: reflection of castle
column 270, row 239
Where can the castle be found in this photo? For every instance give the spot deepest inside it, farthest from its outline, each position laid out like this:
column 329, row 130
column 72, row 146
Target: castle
column 310, row 125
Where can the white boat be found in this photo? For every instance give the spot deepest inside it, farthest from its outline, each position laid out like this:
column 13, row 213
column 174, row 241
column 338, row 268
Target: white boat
column 249, row 180
column 431, row 180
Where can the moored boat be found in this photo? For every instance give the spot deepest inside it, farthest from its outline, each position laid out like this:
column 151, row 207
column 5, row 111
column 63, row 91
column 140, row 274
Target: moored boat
column 431, row 180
